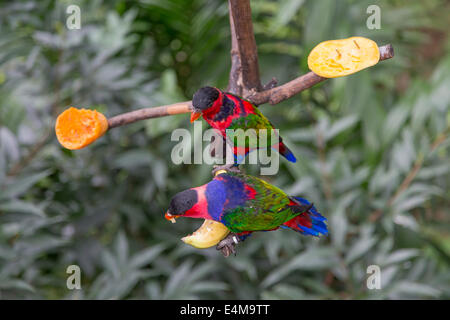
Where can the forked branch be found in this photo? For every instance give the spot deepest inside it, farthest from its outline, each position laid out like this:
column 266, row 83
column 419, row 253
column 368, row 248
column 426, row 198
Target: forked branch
column 272, row 96
column 244, row 77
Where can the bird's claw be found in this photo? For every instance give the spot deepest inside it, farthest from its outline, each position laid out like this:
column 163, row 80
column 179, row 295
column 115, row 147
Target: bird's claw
column 228, row 245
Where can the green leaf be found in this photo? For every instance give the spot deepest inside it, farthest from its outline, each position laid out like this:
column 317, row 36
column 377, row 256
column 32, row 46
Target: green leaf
column 359, row 248
column 284, row 292
column 132, row 159
column 313, row 259
column 21, row 185
column 110, row 263
column 146, row 256
column 208, row 286
column 400, row 256
column 15, row 284
column 319, row 21
column 415, row 289
column 288, row 9
column 177, row 280
column 121, row 247
column 18, row 206
column 340, row 126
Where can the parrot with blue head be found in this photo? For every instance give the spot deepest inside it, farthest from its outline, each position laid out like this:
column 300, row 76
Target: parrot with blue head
column 245, row 204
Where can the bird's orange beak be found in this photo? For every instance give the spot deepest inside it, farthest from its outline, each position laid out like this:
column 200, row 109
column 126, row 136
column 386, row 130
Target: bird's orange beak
column 170, row 217
column 195, row 116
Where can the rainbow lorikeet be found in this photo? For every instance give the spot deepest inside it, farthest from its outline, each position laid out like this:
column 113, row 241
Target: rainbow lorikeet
column 245, row 204
column 224, row 111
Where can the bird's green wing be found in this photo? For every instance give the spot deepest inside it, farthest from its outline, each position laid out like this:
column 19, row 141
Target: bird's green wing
column 266, row 211
column 251, row 134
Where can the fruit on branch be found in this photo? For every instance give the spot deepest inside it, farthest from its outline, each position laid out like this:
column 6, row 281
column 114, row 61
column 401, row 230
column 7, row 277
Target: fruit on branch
column 209, row 234
column 77, row 128
column 225, row 111
column 244, row 204
column 337, row 58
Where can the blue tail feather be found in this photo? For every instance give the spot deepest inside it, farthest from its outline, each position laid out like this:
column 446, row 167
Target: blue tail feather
column 290, row 156
column 285, row 152
column 318, row 225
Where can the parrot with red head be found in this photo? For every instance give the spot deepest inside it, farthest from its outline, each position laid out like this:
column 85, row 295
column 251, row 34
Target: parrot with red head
column 245, row 204
column 223, row 111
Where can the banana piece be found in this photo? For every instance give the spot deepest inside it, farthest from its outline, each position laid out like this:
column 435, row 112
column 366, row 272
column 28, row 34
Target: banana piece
column 337, row 58
column 209, row 234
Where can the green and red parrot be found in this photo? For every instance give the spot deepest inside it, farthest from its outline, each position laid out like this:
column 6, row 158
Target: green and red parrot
column 224, row 111
column 245, row 204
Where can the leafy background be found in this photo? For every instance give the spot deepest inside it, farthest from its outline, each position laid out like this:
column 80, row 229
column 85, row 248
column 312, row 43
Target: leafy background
column 357, row 138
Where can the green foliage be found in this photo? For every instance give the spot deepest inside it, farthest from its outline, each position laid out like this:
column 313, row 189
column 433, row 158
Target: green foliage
column 356, row 139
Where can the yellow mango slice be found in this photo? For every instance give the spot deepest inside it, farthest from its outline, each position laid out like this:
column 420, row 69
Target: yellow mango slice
column 337, row 58
column 209, row 234
column 77, row 128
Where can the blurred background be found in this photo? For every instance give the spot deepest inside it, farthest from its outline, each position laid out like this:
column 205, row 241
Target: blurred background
column 373, row 152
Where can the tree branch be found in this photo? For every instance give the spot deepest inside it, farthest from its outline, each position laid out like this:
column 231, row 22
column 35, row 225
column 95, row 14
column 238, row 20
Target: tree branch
column 375, row 215
column 244, row 74
column 287, row 90
column 273, row 95
column 235, row 79
column 147, row 113
column 244, row 79
column 37, row 147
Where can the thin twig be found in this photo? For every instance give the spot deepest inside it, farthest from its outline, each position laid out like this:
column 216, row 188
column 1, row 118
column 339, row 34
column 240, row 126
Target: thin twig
column 40, row 144
column 31, row 154
column 375, row 215
column 325, row 177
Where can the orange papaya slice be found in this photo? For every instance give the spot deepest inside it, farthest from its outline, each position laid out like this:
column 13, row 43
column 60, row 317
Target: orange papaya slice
column 77, row 128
